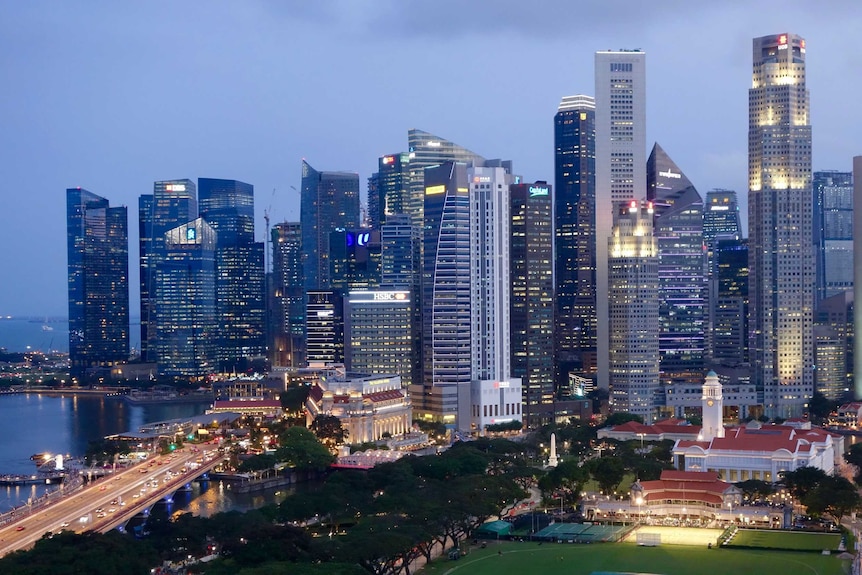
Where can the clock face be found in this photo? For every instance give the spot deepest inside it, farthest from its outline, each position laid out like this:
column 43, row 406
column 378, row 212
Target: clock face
column 710, row 403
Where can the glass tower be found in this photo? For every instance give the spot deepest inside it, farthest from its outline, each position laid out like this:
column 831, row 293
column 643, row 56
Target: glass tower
column 172, row 203
column 678, row 229
column 288, row 348
column 833, row 232
column 228, row 207
column 781, row 254
column 186, row 322
column 98, row 270
column 575, row 238
column 388, row 188
column 730, row 324
column 329, row 200
column 532, row 295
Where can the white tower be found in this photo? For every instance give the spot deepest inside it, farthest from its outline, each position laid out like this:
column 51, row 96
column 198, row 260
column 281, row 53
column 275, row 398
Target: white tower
column 713, row 408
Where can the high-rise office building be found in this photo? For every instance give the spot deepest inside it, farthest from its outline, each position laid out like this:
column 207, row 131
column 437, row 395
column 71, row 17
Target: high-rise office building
column 184, row 302
column 574, row 238
column 678, row 229
column 324, row 327
column 399, row 252
column 172, row 203
column 445, row 303
column 833, row 232
column 426, row 150
column 781, row 253
column 288, row 292
column 620, row 161
column 833, row 346
column 857, row 275
column 379, row 334
column 729, row 341
column 98, row 272
column 330, row 200
column 388, row 188
column 228, row 207
column 633, row 296
column 531, row 268
column 354, row 259
column 720, row 221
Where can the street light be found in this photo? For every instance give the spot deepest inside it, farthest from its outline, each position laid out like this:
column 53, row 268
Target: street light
column 639, row 501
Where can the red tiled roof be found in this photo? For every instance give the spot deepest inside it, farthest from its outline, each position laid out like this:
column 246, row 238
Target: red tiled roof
column 246, row 403
column 689, row 443
column 384, row 395
column 675, row 475
column 684, row 496
column 315, row 393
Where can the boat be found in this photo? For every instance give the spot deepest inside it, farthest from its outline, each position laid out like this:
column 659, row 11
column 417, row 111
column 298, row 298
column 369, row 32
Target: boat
column 40, row 456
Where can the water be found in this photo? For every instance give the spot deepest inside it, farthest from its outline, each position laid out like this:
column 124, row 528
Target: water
column 46, row 334
column 36, row 423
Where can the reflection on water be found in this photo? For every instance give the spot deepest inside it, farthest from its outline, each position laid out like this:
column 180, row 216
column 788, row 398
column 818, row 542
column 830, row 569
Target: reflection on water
column 211, row 497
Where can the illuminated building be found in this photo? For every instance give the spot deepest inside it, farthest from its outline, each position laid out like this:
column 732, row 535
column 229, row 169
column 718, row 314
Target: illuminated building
column 186, row 322
column 379, row 333
column 446, row 320
column 678, row 229
column 228, row 207
column 857, row 275
column 633, row 286
column 720, row 221
column 388, row 188
column 532, row 295
column 729, row 339
column 324, row 327
column 329, row 200
column 575, row 238
column 98, row 273
column 833, row 346
column 399, row 246
column 425, row 150
column 354, row 258
column 833, row 232
column 781, row 254
column 172, row 203
column 288, row 292
column 620, row 161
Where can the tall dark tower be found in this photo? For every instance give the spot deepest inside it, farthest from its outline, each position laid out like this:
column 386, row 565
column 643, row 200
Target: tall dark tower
column 531, row 309
column 330, row 200
column 228, row 207
column 98, row 266
column 781, row 254
column 172, row 203
column 575, row 238
column 288, row 347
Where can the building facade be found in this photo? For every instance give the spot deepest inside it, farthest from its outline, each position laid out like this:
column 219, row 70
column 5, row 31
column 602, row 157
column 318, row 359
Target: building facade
column 833, row 232
column 574, row 238
column 781, row 254
column 633, row 296
column 531, row 307
column 287, row 347
column 329, row 200
column 388, row 188
column 729, row 334
column 620, row 161
column 172, row 203
column 98, row 273
column 324, row 327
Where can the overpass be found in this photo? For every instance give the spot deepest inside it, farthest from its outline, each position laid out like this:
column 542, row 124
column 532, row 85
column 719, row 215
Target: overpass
column 110, row 502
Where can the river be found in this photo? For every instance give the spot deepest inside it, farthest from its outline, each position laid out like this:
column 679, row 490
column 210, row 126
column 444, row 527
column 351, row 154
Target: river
column 37, row 423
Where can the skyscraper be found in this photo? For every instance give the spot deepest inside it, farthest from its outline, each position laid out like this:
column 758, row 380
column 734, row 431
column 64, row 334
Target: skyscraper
column 330, row 200
column 184, row 302
column 574, row 238
column 620, row 161
column 324, row 327
column 678, row 229
column 172, row 203
column 426, row 150
column 633, row 296
column 729, row 341
column 388, row 188
column 833, row 232
column 228, row 207
column 288, row 347
column 98, row 270
column 720, row 222
column 532, row 296
column 446, row 343
column 781, row 254
column 399, row 240
column 354, row 259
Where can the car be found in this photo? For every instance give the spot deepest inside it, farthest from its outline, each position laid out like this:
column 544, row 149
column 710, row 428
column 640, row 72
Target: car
column 64, row 524
column 136, row 495
column 102, row 488
column 19, row 528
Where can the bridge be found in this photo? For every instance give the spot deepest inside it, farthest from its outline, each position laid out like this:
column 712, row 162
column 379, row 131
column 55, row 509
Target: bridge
column 110, row 502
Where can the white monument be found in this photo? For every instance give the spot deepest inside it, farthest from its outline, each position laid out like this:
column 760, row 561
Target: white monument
column 553, row 460
column 713, row 408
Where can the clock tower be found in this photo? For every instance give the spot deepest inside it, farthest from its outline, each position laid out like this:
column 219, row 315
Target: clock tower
column 713, row 408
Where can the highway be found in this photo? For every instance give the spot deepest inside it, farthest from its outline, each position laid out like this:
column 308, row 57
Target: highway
column 113, row 500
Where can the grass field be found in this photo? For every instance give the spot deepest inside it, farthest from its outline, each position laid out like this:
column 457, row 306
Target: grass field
column 785, row 540
column 680, row 535
column 559, row 559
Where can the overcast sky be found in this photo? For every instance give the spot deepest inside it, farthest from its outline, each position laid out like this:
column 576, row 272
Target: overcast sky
column 111, row 96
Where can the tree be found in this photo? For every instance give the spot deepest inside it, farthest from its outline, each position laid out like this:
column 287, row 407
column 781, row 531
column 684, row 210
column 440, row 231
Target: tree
column 608, row 473
column 755, row 488
column 820, row 407
column 854, row 457
column 803, row 480
column 834, row 496
column 328, row 429
column 622, row 417
column 301, row 450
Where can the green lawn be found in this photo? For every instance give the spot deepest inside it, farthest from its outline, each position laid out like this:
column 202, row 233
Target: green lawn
column 785, row 540
column 568, row 559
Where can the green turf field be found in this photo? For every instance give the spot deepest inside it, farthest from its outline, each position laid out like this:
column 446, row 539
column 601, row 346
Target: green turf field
column 785, row 540
column 567, row 559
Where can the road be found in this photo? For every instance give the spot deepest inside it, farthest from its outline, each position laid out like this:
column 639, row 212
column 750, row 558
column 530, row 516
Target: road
column 116, row 498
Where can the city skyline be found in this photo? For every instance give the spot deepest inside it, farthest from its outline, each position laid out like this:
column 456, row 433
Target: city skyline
column 139, row 96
